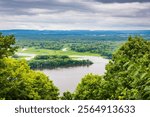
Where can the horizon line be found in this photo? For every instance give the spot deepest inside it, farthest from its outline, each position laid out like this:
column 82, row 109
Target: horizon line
column 78, row 29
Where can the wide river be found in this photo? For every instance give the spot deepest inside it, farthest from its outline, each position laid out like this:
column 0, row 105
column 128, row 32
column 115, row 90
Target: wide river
column 67, row 79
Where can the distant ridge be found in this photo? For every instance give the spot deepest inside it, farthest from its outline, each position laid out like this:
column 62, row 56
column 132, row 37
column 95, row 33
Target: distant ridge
column 76, row 34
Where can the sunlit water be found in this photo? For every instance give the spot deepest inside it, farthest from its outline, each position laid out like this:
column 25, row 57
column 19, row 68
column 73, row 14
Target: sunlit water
column 68, row 78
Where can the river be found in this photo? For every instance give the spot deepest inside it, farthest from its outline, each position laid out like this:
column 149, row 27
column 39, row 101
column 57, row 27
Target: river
column 67, row 79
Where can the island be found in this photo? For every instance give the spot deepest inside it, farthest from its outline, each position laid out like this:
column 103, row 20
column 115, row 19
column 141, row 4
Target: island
column 55, row 61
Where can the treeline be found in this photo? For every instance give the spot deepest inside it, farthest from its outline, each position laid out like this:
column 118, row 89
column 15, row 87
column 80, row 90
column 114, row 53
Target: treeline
column 18, row 81
column 127, row 76
column 103, row 48
column 52, row 45
column 55, row 61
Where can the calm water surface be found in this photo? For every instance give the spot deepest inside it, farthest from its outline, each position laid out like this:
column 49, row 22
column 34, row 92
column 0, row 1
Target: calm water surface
column 68, row 78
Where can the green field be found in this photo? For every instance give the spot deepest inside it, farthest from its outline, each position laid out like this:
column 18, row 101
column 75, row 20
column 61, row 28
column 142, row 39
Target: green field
column 55, row 52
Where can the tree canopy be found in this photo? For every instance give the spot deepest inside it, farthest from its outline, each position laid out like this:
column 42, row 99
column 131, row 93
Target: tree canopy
column 90, row 87
column 55, row 61
column 17, row 80
column 7, row 47
column 127, row 74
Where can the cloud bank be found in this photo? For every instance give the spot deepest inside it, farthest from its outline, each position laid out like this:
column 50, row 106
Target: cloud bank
column 71, row 14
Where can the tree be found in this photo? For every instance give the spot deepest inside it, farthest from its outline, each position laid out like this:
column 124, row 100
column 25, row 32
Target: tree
column 127, row 75
column 128, row 72
column 17, row 80
column 7, row 47
column 90, row 88
column 67, row 96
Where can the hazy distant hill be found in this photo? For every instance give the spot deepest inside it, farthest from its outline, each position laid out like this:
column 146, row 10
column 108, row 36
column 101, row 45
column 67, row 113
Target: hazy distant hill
column 77, row 34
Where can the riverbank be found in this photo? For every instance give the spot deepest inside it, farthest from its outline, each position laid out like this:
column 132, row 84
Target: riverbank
column 66, row 79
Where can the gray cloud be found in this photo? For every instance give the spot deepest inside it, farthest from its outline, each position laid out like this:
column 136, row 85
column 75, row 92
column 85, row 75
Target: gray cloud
column 74, row 14
column 34, row 7
column 121, row 1
column 137, row 14
column 22, row 7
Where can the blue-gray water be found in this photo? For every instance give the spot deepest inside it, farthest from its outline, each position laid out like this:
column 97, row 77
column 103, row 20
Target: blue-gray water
column 68, row 78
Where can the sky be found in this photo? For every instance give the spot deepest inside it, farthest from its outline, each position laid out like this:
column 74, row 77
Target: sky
column 75, row 14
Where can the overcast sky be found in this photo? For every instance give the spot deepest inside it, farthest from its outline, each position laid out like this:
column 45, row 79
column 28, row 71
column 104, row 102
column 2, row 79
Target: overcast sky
column 75, row 14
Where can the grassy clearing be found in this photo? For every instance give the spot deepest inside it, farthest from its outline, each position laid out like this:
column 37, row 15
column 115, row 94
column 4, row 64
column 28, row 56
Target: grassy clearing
column 55, row 52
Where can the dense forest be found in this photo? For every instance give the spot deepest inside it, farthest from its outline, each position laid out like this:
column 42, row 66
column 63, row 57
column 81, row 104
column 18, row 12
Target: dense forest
column 54, row 61
column 127, row 75
column 52, row 45
column 17, row 80
column 103, row 48
column 101, row 42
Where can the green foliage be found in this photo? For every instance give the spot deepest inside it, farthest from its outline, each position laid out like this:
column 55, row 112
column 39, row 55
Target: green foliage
column 103, row 48
column 52, row 45
column 55, row 52
column 127, row 76
column 17, row 81
column 128, row 72
column 100, row 47
column 54, row 61
column 6, row 45
column 91, row 88
column 67, row 96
